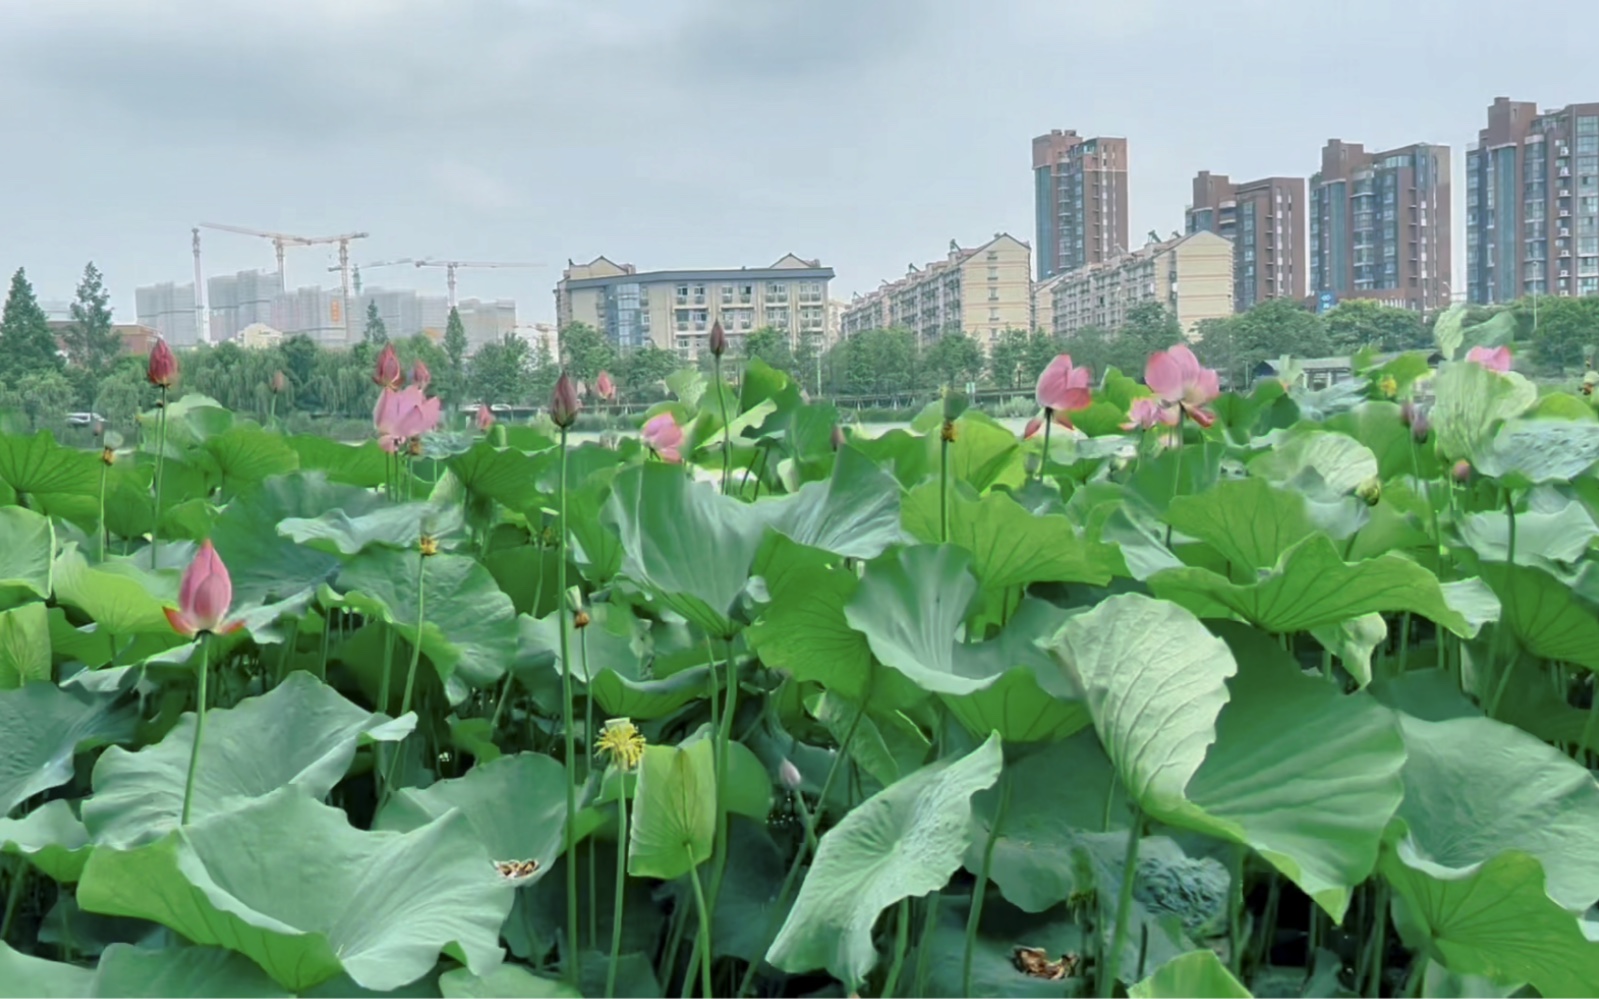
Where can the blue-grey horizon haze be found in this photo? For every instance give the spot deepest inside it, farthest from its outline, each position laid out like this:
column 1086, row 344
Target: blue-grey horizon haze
column 693, row 133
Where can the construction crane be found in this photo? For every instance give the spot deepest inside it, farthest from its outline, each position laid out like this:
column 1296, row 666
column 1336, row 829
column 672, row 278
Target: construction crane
column 451, row 265
column 280, row 240
column 355, row 269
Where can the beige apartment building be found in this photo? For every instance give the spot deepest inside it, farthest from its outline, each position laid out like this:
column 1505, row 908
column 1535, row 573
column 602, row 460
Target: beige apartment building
column 1192, row 276
column 675, row 310
column 979, row 291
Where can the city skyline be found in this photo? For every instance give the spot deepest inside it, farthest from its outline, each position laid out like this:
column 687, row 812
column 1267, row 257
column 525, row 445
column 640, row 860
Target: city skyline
column 339, row 138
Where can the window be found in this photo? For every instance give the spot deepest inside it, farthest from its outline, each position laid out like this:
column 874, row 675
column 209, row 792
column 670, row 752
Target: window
column 1588, row 245
column 727, row 294
column 1589, row 205
column 701, row 319
column 682, row 294
column 746, row 318
column 1588, row 125
column 993, row 314
column 682, row 320
column 699, row 294
column 776, row 291
column 1588, row 144
column 746, row 294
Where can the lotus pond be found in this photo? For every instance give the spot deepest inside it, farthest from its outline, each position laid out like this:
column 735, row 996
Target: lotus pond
column 1179, row 693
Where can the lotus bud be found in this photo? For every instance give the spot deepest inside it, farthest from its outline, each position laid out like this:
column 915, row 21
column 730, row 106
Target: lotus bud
column 485, row 418
column 604, row 387
column 1033, row 427
column 790, row 775
column 1420, row 426
column 279, row 384
column 1407, row 412
column 1370, row 491
column 163, row 369
column 386, row 373
column 564, row 403
column 1461, row 471
column 204, row 597
column 420, row 375
column 718, row 340
column 837, row 437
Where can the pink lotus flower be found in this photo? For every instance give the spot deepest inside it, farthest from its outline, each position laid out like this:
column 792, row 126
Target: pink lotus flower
column 1146, row 413
column 163, row 369
column 386, row 372
column 420, row 375
column 1178, row 379
column 204, row 597
column 402, row 414
column 1063, row 388
column 485, row 418
column 604, row 387
column 1492, row 358
column 664, row 437
column 564, row 402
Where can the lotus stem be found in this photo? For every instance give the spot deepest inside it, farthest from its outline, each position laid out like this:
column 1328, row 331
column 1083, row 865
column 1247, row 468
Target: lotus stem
column 621, row 890
column 1235, row 909
column 105, row 533
column 727, row 436
column 1510, row 591
column 19, row 877
column 703, row 943
column 1107, row 976
column 199, row 730
column 384, row 683
column 975, row 914
column 574, row 964
column 724, row 735
column 1379, row 940
column 1177, row 471
column 943, row 485
column 1043, row 459
column 902, row 921
column 410, row 673
column 588, row 739
column 923, row 944
column 160, row 465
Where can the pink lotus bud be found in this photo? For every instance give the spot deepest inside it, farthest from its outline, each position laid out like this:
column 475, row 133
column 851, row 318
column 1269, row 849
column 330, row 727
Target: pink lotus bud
column 718, row 339
column 1461, row 471
column 280, row 383
column 420, row 375
column 485, row 418
column 163, row 369
column 790, row 775
column 1033, row 427
column 604, row 387
column 386, row 373
column 1407, row 413
column 564, row 403
column 1420, row 425
column 1492, row 358
column 204, row 597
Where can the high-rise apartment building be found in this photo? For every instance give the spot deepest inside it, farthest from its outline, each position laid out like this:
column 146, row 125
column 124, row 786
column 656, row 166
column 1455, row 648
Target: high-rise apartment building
column 239, row 300
column 1380, row 226
column 1191, row 276
column 979, row 291
column 676, row 309
column 1532, row 203
column 169, row 310
column 1265, row 219
column 486, row 322
column 1079, row 200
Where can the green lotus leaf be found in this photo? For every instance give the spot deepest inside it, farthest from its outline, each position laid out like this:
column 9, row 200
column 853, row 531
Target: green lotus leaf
column 37, row 464
column 911, row 458
column 1198, row 974
column 43, row 725
column 1562, row 534
column 266, row 567
column 385, row 905
column 52, row 839
column 887, row 744
column 23, row 976
column 1534, row 451
column 1471, row 402
column 126, row 970
column 855, row 513
column 1378, row 426
column 244, row 453
column 301, row 734
column 365, row 464
column 1009, row 546
column 1338, row 460
column 393, row 526
column 27, row 549
column 674, row 811
column 1250, row 522
column 469, row 629
column 505, row 475
column 508, row 981
column 1313, row 587
column 902, row 842
column 122, row 598
column 24, row 646
column 1353, row 642
column 1546, row 616
column 516, row 806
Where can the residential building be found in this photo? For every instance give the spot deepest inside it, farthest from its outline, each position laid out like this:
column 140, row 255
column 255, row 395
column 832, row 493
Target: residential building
column 486, row 321
column 1532, row 203
column 237, row 300
column 676, row 309
column 1265, row 219
column 543, row 338
column 834, row 327
column 259, row 336
column 1044, row 304
column 979, row 291
column 312, row 312
column 136, row 338
column 168, row 309
column 1192, row 276
column 1079, row 200
column 1380, row 226
column 404, row 312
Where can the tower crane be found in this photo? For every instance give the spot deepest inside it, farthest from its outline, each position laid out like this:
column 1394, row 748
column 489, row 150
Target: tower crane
column 280, row 240
column 450, row 267
column 355, row 269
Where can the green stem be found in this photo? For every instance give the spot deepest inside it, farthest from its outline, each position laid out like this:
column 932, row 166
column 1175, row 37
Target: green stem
column 105, row 532
column 1588, row 726
column 499, row 705
column 1177, row 469
column 1499, row 628
column 975, row 914
column 924, row 944
column 1404, row 643
column 160, row 465
column 410, row 673
column 384, row 683
column 1107, row 977
column 724, row 736
column 19, row 877
column 703, row 943
column 727, row 437
column 902, row 930
column 943, row 485
column 1379, row 941
column 1235, row 910
column 199, row 729
column 1043, row 459
column 621, row 890
column 588, row 740
column 573, row 965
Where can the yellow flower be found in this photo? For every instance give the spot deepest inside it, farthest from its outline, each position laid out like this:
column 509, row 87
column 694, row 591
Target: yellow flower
column 428, row 544
column 623, row 741
column 1388, row 386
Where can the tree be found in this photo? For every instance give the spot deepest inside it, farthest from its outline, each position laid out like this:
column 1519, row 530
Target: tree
column 498, row 372
column 26, row 343
column 545, row 371
column 586, row 351
column 1007, row 359
column 1042, row 346
column 770, row 345
column 91, row 342
column 1275, row 328
column 376, row 332
column 955, row 359
column 300, row 360
column 455, row 343
column 1567, row 328
column 639, row 370
column 1360, row 322
column 45, row 396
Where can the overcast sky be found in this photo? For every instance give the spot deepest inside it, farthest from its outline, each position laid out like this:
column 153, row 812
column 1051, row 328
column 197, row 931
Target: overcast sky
column 692, row 133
